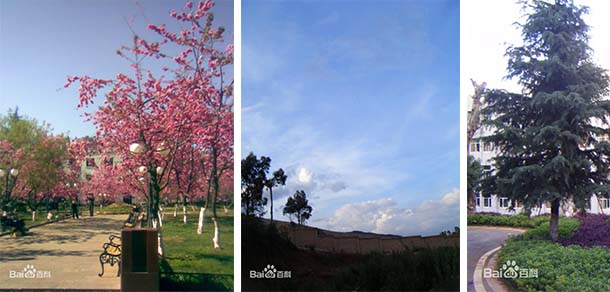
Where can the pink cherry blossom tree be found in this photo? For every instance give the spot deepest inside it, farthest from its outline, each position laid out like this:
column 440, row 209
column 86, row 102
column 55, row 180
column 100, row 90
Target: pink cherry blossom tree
column 154, row 123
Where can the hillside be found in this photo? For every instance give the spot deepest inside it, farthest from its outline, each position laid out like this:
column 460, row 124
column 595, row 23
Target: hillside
column 311, row 269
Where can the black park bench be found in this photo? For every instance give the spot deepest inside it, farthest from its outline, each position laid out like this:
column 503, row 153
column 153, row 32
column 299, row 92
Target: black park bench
column 112, row 249
column 133, row 219
column 111, row 254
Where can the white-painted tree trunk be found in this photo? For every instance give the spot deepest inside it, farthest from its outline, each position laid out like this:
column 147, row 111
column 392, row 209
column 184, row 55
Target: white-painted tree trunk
column 49, row 216
column 175, row 210
column 160, row 215
column 216, row 238
column 226, row 210
column 193, row 208
column 201, row 220
column 159, row 237
column 184, row 214
column 33, row 216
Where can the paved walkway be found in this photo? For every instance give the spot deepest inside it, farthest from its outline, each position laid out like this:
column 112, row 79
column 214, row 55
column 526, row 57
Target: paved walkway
column 65, row 255
column 481, row 240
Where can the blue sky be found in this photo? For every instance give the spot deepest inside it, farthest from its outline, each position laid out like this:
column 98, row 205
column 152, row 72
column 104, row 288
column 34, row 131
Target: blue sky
column 41, row 42
column 359, row 102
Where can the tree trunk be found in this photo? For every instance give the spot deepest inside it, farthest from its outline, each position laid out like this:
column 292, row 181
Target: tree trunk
column 176, row 209
column 554, row 224
column 159, row 236
column 184, row 214
column 271, row 199
column 33, row 216
column 216, row 235
column 201, row 219
column 473, row 125
column 226, row 210
column 472, row 202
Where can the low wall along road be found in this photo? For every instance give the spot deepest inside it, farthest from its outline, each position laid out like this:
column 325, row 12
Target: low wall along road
column 321, row 240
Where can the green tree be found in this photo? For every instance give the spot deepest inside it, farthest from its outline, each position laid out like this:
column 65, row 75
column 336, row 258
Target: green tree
column 21, row 132
column 551, row 136
column 253, row 181
column 278, row 179
column 474, row 175
column 298, row 206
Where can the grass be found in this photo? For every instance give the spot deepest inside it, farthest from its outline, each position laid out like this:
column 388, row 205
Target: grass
column 192, row 259
column 559, row 268
column 425, row 270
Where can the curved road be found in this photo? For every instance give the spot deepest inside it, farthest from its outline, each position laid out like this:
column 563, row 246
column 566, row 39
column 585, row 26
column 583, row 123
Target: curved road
column 68, row 250
column 482, row 239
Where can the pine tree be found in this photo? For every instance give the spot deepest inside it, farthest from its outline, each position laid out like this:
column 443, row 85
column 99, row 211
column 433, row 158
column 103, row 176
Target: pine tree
column 552, row 136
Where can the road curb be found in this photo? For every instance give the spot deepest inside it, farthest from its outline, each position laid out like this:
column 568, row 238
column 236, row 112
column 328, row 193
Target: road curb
column 477, row 278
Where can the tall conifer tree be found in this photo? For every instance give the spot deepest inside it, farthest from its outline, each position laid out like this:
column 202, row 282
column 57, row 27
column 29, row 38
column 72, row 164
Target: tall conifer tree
column 552, row 136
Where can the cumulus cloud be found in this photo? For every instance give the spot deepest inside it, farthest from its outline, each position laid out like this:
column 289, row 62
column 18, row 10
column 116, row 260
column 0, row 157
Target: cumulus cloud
column 385, row 216
column 304, row 176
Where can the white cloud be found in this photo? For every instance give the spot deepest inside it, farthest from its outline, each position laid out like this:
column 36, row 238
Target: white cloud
column 385, row 216
column 304, row 176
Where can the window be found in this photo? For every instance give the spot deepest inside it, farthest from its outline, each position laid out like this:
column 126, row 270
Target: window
column 475, row 147
column 504, row 203
column 486, row 171
column 487, row 201
column 487, row 146
column 90, row 162
column 478, row 201
column 605, row 203
column 109, row 161
column 88, row 177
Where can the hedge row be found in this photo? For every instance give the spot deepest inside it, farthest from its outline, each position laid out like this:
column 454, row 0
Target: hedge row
column 493, row 219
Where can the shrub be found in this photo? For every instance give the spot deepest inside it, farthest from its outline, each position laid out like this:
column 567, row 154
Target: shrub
column 567, row 227
column 494, row 219
column 593, row 231
column 560, row 268
column 425, row 270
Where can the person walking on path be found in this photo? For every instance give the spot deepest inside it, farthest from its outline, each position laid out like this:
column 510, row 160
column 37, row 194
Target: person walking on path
column 91, row 204
column 74, row 209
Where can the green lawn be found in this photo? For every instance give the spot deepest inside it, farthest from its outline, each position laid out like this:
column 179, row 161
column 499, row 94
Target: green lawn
column 195, row 263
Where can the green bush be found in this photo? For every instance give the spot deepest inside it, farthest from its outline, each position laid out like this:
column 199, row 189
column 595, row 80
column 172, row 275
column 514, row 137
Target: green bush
column 567, row 226
column 519, row 220
column 425, row 270
column 560, row 268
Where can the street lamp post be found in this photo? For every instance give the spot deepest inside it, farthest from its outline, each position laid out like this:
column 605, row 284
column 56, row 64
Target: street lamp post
column 13, row 172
